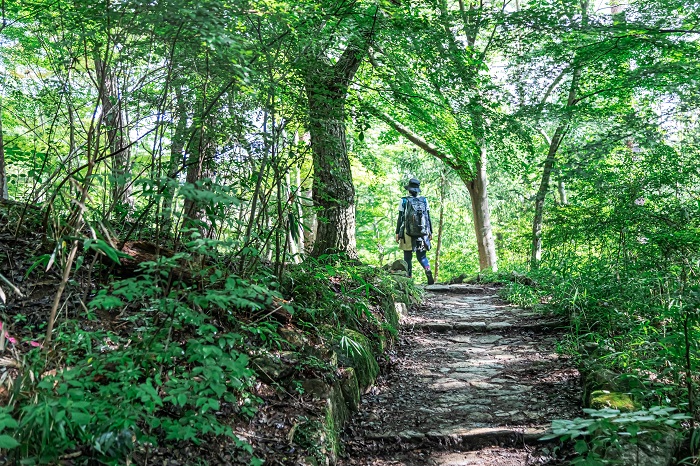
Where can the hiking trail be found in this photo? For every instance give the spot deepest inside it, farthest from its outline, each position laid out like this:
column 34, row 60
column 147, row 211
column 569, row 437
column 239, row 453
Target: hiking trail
column 476, row 382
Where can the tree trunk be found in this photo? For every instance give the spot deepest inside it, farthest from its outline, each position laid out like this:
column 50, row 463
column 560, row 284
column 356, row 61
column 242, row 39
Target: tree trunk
column 177, row 147
column 310, row 221
column 441, row 224
column 563, row 198
column 482, row 215
column 117, row 135
column 542, row 194
column 333, row 190
column 3, row 173
column 295, row 242
column 197, row 150
column 554, row 143
column 299, row 211
column 195, row 169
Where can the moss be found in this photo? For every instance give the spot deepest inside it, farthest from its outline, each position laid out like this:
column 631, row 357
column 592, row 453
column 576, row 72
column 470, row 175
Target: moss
column 350, row 388
column 391, row 312
column 354, row 350
column 337, row 413
column 605, row 399
column 319, row 435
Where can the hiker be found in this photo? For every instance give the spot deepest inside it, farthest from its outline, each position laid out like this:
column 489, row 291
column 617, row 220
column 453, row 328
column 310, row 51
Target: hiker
column 413, row 228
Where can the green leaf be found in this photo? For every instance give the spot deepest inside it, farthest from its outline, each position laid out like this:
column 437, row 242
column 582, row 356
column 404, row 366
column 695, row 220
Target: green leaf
column 82, row 419
column 7, row 442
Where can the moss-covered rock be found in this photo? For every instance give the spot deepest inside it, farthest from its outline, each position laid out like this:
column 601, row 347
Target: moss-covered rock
column 350, row 388
column 393, row 312
column 399, row 266
column 370, row 322
column 320, row 436
column 274, row 367
column 606, row 399
column 355, row 350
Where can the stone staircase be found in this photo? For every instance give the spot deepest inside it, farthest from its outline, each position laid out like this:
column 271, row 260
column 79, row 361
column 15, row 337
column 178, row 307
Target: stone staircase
column 476, row 382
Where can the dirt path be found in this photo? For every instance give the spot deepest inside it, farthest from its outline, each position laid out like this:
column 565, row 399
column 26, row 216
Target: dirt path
column 476, row 382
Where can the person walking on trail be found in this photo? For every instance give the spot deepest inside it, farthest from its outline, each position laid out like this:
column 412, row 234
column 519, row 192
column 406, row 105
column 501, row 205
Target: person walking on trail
column 413, row 228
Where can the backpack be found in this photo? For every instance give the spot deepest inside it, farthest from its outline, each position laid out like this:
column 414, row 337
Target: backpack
column 416, row 217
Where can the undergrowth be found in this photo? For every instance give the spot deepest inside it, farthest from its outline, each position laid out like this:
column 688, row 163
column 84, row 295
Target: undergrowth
column 642, row 327
column 163, row 357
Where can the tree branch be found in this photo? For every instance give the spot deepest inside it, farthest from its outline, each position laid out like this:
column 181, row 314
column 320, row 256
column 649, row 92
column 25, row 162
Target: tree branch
column 413, row 137
column 348, row 63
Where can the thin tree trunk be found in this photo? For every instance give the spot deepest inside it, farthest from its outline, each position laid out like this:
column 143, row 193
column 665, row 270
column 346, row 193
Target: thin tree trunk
column 3, row 173
column 293, row 237
column 563, row 198
column 196, row 155
column 300, row 212
column 177, row 147
column 554, row 143
column 542, row 194
column 441, row 224
column 310, row 221
column 255, row 197
column 117, row 135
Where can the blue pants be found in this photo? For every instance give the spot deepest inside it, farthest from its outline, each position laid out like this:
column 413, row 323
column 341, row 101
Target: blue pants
column 422, row 259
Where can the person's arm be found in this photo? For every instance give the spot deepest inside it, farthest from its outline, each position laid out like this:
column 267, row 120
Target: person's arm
column 430, row 223
column 400, row 220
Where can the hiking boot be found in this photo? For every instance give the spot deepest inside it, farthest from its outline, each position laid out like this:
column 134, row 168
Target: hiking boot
column 429, row 275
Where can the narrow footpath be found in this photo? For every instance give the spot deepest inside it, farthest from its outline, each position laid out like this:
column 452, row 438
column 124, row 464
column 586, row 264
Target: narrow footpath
column 476, row 381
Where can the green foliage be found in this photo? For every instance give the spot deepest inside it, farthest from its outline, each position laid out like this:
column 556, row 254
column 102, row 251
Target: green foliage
column 521, row 295
column 609, row 429
column 339, row 293
column 143, row 390
column 185, row 126
column 177, row 377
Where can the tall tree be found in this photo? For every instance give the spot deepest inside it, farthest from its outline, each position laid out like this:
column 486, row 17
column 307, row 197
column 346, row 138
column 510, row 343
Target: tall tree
column 326, row 87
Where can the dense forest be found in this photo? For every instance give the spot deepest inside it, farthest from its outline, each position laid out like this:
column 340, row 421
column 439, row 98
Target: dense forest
column 194, row 191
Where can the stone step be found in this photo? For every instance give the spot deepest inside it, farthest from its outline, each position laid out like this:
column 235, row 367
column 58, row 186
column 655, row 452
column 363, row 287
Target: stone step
column 465, row 439
column 446, row 326
column 472, row 373
column 461, row 289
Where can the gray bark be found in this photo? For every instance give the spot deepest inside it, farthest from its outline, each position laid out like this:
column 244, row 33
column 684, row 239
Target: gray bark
column 177, row 147
column 441, row 224
column 563, row 198
column 482, row 216
column 333, row 189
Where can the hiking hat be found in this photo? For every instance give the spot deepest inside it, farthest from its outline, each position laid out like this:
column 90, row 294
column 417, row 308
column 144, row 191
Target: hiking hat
column 413, row 183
